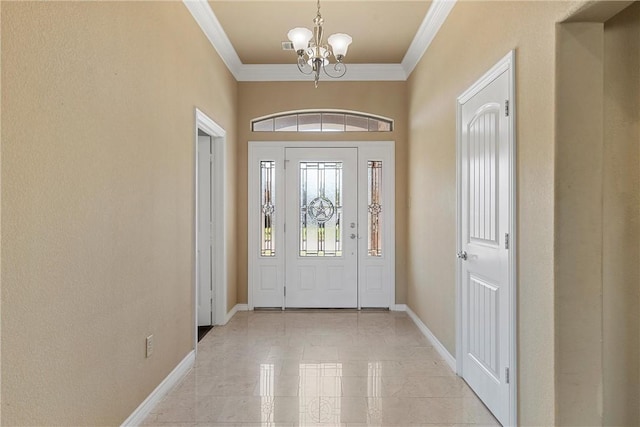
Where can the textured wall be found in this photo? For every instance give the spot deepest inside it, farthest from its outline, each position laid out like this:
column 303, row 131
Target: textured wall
column 474, row 37
column 98, row 106
column 598, row 217
column 382, row 98
column 578, row 225
column 621, row 219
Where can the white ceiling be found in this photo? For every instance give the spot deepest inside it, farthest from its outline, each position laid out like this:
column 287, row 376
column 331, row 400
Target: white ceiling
column 248, row 34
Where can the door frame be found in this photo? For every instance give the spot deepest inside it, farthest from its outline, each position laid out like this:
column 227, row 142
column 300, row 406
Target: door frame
column 276, row 152
column 218, row 198
column 506, row 64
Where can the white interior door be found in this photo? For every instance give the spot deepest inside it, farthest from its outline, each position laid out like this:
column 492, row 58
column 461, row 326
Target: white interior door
column 205, row 230
column 484, row 270
column 321, row 227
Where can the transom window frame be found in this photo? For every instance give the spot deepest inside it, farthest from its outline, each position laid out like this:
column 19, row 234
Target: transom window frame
column 352, row 121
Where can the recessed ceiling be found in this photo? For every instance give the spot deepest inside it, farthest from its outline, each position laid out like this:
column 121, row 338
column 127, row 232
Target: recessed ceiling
column 382, row 31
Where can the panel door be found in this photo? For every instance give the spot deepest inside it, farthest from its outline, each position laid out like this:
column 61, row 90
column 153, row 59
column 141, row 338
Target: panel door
column 321, row 228
column 205, row 276
column 484, row 258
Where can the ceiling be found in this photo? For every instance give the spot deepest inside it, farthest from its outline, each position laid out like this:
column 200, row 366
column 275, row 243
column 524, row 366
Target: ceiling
column 389, row 36
column 382, row 30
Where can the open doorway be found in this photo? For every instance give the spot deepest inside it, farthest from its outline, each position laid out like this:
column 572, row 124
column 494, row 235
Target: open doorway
column 204, row 223
column 210, row 266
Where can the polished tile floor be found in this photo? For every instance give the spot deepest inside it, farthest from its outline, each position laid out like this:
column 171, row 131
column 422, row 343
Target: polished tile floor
column 320, row 367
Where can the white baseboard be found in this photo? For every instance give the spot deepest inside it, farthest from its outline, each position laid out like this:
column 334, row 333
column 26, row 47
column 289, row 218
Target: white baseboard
column 174, row 378
column 398, row 307
column 451, row 361
column 236, row 308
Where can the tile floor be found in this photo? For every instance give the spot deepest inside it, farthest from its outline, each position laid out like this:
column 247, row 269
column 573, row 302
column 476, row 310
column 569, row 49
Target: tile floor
column 329, row 368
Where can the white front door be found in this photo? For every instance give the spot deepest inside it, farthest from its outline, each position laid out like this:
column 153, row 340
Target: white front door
column 321, row 227
column 204, row 215
column 484, row 258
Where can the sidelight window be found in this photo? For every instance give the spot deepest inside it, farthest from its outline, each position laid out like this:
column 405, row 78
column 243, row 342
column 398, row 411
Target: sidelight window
column 374, row 207
column 267, row 208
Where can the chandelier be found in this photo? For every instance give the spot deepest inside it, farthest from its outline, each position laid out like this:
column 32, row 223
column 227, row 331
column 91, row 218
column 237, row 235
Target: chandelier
column 314, row 56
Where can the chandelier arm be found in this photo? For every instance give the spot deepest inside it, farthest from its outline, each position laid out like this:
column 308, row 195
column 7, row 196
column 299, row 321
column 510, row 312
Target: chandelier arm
column 339, row 70
column 303, row 66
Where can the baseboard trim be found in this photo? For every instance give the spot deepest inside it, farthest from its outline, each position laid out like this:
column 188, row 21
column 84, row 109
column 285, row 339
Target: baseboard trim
column 173, row 379
column 398, row 307
column 441, row 349
column 236, row 308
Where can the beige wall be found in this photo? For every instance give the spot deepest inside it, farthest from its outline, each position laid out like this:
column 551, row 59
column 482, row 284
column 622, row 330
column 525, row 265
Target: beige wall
column 0, row 226
column 578, row 226
column 382, row 98
column 598, row 218
column 456, row 58
column 97, row 199
column 621, row 220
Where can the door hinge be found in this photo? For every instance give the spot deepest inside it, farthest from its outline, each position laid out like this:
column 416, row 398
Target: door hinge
column 506, row 375
column 285, row 291
column 506, row 240
column 210, row 158
column 506, row 108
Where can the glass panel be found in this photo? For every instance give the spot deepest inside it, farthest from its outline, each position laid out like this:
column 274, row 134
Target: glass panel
column 267, row 208
column 322, row 122
column 374, row 208
column 356, row 123
column 309, row 123
column 287, row 123
column 332, row 122
column 320, row 209
column 384, row 126
column 263, row 126
column 376, row 125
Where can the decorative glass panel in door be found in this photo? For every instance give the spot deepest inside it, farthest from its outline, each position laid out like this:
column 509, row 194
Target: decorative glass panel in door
column 320, row 208
column 321, row 212
column 267, row 208
column 374, row 208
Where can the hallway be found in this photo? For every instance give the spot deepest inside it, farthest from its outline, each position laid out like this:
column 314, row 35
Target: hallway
column 320, row 367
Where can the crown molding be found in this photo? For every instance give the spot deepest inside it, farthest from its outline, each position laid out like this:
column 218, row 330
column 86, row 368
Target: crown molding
column 206, row 19
column 437, row 14
column 290, row 73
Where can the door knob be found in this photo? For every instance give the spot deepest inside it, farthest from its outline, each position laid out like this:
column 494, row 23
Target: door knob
column 462, row 255
column 353, row 236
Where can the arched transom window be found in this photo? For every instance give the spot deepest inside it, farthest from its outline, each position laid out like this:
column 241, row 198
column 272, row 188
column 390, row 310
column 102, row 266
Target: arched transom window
column 322, row 121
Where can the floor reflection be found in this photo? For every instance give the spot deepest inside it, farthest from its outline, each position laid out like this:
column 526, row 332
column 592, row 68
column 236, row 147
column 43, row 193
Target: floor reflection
column 319, row 369
column 374, row 392
column 320, row 393
column 267, row 393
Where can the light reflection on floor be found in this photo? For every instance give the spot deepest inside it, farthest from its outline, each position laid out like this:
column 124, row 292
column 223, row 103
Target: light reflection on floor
column 319, row 368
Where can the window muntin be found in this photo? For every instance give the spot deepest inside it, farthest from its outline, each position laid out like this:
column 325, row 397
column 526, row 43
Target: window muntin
column 322, row 121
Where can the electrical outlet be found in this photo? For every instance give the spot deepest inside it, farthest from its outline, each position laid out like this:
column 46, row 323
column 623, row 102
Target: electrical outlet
column 149, row 346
